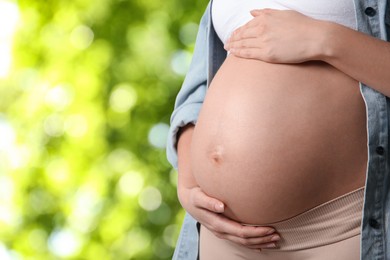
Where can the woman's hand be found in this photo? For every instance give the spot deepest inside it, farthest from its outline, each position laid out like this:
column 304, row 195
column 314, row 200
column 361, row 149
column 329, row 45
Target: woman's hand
column 278, row 36
column 206, row 210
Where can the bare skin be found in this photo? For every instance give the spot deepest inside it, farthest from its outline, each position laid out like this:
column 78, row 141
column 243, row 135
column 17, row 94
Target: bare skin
column 339, row 46
column 361, row 56
column 274, row 140
column 208, row 210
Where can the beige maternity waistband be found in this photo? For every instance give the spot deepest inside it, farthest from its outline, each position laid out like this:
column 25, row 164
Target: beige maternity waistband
column 330, row 222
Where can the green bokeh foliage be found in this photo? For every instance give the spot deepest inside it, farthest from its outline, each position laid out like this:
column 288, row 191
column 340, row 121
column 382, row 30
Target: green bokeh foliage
column 90, row 79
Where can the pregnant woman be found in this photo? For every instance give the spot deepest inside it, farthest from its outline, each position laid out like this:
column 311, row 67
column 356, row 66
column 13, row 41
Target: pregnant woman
column 287, row 130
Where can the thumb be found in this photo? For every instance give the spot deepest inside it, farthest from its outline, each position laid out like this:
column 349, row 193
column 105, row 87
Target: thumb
column 202, row 200
column 255, row 12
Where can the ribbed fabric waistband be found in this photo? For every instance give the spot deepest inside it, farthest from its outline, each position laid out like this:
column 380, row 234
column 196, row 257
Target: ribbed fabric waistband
column 330, row 222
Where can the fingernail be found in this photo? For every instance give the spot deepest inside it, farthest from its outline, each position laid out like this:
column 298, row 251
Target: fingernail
column 219, row 207
column 270, row 231
column 271, row 245
column 275, row 238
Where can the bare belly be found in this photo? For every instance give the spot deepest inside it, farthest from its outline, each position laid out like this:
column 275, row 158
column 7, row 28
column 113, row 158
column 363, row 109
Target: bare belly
column 275, row 140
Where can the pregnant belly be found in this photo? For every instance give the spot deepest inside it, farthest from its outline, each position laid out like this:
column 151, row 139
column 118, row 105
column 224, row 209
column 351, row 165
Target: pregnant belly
column 274, row 140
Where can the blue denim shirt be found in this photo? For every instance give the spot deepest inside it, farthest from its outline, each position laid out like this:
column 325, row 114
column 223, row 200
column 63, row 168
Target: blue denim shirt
column 373, row 18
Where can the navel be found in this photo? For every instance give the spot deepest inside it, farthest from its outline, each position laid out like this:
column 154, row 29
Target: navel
column 217, row 154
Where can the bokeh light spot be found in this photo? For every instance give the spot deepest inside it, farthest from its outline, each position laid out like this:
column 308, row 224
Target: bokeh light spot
column 150, row 198
column 131, row 183
column 7, row 134
column 18, row 156
column 137, row 240
column 64, row 243
column 181, row 62
column 123, row 98
column 187, row 34
column 6, row 190
column 5, row 253
column 158, row 135
column 37, row 238
column 57, row 171
column 173, row 177
column 58, row 97
column 76, row 125
column 8, row 213
column 120, row 160
column 85, row 207
column 6, row 58
column 8, row 216
column 81, row 37
column 170, row 235
column 9, row 16
column 54, row 125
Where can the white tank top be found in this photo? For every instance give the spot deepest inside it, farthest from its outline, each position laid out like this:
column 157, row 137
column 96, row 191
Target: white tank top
column 228, row 15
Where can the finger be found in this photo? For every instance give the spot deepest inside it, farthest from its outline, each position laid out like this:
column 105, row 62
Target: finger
column 249, row 30
column 268, row 245
column 248, row 53
column 249, row 25
column 201, row 200
column 244, row 43
column 223, row 225
column 259, row 242
column 252, row 243
column 263, row 246
column 257, row 12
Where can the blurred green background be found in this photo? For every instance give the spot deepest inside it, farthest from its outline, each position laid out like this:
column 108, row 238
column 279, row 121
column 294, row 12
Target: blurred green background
column 87, row 88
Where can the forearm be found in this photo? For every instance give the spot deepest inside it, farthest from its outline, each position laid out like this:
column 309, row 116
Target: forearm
column 185, row 177
column 364, row 58
column 269, row 37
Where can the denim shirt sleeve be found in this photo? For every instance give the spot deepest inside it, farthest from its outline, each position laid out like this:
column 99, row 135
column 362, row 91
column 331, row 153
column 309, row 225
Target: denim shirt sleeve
column 193, row 91
column 187, row 107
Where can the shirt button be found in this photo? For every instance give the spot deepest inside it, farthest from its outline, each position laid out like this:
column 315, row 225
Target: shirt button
column 380, row 150
column 373, row 223
column 370, row 11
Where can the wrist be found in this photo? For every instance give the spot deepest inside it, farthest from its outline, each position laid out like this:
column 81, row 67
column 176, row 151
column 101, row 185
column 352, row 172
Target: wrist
column 327, row 41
